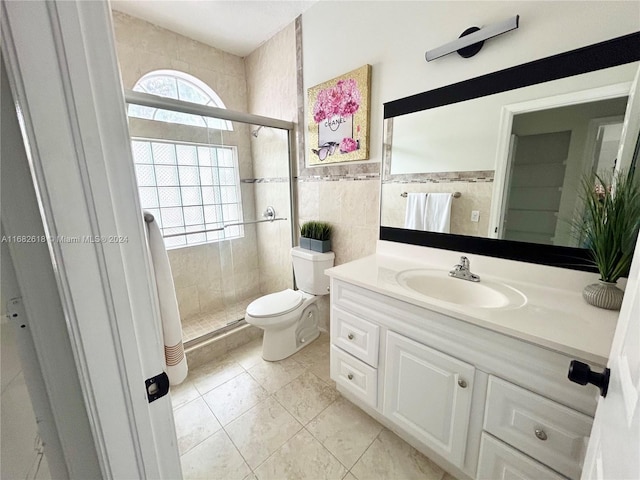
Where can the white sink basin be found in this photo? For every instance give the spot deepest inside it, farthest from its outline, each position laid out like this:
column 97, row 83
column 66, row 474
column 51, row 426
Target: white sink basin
column 439, row 285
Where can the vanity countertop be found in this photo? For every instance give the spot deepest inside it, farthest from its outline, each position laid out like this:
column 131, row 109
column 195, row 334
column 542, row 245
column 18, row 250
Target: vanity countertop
column 553, row 318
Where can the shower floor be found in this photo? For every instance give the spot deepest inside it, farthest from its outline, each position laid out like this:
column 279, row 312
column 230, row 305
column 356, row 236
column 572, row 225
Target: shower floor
column 198, row 325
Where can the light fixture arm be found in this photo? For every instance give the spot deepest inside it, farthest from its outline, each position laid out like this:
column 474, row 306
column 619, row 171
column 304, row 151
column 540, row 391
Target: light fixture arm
column 472, row 39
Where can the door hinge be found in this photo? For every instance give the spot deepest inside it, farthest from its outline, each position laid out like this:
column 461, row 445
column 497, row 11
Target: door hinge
column 157, row 386
column 15, row 311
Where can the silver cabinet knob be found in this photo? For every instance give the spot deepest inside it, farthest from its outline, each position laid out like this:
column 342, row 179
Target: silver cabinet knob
column 462, row 383
column 350, row 376
column 540, row 434
column 350, row 336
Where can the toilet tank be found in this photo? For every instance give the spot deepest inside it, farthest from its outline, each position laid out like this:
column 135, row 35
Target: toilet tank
column 309, row 267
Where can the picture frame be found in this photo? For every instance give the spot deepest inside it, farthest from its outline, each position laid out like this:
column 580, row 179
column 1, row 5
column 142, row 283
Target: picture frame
column 339, row 117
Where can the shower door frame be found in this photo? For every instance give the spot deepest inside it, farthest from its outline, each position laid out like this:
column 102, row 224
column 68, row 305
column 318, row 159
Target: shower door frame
column 164, row 103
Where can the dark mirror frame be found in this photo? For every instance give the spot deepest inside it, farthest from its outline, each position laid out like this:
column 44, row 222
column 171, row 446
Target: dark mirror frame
column 610, row 53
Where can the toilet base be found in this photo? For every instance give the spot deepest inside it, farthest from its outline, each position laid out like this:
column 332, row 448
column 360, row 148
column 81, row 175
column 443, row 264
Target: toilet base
column 282, row 343
column 275, row 349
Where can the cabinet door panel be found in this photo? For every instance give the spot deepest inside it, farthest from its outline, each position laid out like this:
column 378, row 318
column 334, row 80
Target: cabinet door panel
column 428, row 394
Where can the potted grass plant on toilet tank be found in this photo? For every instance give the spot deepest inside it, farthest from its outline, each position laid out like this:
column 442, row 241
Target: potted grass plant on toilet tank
column 316, row 236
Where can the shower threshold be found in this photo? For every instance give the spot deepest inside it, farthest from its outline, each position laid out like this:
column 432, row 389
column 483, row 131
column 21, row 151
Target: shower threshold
column 206, row 325
column 217, row 332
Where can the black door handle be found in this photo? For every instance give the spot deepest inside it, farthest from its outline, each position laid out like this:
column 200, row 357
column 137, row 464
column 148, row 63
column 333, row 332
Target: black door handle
column 581, row 373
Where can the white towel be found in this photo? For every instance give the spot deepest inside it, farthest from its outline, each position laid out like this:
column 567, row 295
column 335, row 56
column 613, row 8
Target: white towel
column 416, row 209
column 169, row 315
column 438, row 212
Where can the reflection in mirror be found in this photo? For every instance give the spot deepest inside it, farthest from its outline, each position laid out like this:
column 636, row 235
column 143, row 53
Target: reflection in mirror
column 516, row 156
column 549, row 151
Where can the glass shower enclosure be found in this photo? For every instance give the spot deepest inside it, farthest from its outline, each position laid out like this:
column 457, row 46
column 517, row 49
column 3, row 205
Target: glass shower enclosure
column 219, row 184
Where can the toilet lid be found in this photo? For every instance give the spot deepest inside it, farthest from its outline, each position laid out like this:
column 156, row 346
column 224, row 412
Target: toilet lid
column 275, row 304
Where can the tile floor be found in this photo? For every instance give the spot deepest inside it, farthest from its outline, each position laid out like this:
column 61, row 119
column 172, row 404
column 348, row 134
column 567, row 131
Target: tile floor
column 242, row 418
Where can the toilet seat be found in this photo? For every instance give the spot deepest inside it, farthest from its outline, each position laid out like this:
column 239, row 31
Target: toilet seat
column 275, row 304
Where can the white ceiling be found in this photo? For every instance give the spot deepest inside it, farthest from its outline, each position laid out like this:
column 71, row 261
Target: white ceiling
column 235, row 26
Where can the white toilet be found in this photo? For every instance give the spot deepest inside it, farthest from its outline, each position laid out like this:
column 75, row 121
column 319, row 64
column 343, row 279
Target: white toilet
column 290, row 318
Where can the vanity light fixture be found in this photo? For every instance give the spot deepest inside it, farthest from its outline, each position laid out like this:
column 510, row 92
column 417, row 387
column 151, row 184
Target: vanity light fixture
column 472, row 39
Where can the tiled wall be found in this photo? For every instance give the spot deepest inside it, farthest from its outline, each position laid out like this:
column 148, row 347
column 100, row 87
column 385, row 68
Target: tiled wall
column 143, row 47
column 474, row 195
column 211, row 276
column 271, row 92
column 351, row 206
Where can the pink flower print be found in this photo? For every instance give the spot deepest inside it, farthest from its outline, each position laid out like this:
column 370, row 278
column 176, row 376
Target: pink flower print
column 342, row 99
column 349, row 97
column 348, row 145
column 320, row 107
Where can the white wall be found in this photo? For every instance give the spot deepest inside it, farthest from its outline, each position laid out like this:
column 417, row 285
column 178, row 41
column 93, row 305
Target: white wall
column 393, row 36
column 20, row 445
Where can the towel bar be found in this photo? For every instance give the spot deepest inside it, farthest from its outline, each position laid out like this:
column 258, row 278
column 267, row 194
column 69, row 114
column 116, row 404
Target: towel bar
column 454, row 194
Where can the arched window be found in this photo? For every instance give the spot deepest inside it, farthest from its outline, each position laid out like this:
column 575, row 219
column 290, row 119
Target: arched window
column 180, row 86
column 187, row 185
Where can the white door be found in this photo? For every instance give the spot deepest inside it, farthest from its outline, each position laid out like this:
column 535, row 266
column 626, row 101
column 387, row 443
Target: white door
column 513, row 146
column 63, row 73
column 614, row 446
column 537, row 172
column 428, row 394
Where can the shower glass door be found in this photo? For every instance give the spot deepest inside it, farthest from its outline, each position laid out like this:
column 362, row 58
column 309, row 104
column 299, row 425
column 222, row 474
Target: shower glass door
column 207, row 181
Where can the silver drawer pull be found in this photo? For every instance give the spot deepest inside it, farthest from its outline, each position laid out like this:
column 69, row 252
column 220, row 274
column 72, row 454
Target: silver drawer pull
column 462, row 383
column 350, row 336
column 350, row 376
column 541, row 434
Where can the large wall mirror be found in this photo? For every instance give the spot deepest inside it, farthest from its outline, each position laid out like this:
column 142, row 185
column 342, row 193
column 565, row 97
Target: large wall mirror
column 510, row 149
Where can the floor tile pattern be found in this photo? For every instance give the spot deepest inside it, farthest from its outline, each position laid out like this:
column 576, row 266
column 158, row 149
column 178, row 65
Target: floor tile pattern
column 243, row 418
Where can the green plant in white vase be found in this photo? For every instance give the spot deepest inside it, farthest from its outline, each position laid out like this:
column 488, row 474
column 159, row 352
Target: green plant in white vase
column 316, row 236
column 609, row 229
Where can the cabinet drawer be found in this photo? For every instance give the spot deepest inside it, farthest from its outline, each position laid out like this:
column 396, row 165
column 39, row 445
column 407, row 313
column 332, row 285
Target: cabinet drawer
column 355, row 376
column 355, row 335
column 547, row 431
column 499, row 461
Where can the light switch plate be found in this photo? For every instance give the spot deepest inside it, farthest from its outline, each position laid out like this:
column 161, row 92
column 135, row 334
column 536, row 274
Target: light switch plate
column 475, row 215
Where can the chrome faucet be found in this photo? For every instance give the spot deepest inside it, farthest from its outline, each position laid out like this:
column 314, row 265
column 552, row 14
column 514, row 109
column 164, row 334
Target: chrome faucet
column 462, row 271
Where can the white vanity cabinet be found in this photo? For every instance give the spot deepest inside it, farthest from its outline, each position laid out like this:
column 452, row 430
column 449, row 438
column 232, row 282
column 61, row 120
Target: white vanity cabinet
column 487, row 404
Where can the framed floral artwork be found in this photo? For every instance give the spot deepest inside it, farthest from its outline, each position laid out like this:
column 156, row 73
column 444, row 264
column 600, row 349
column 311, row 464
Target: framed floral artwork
column 339, row 118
